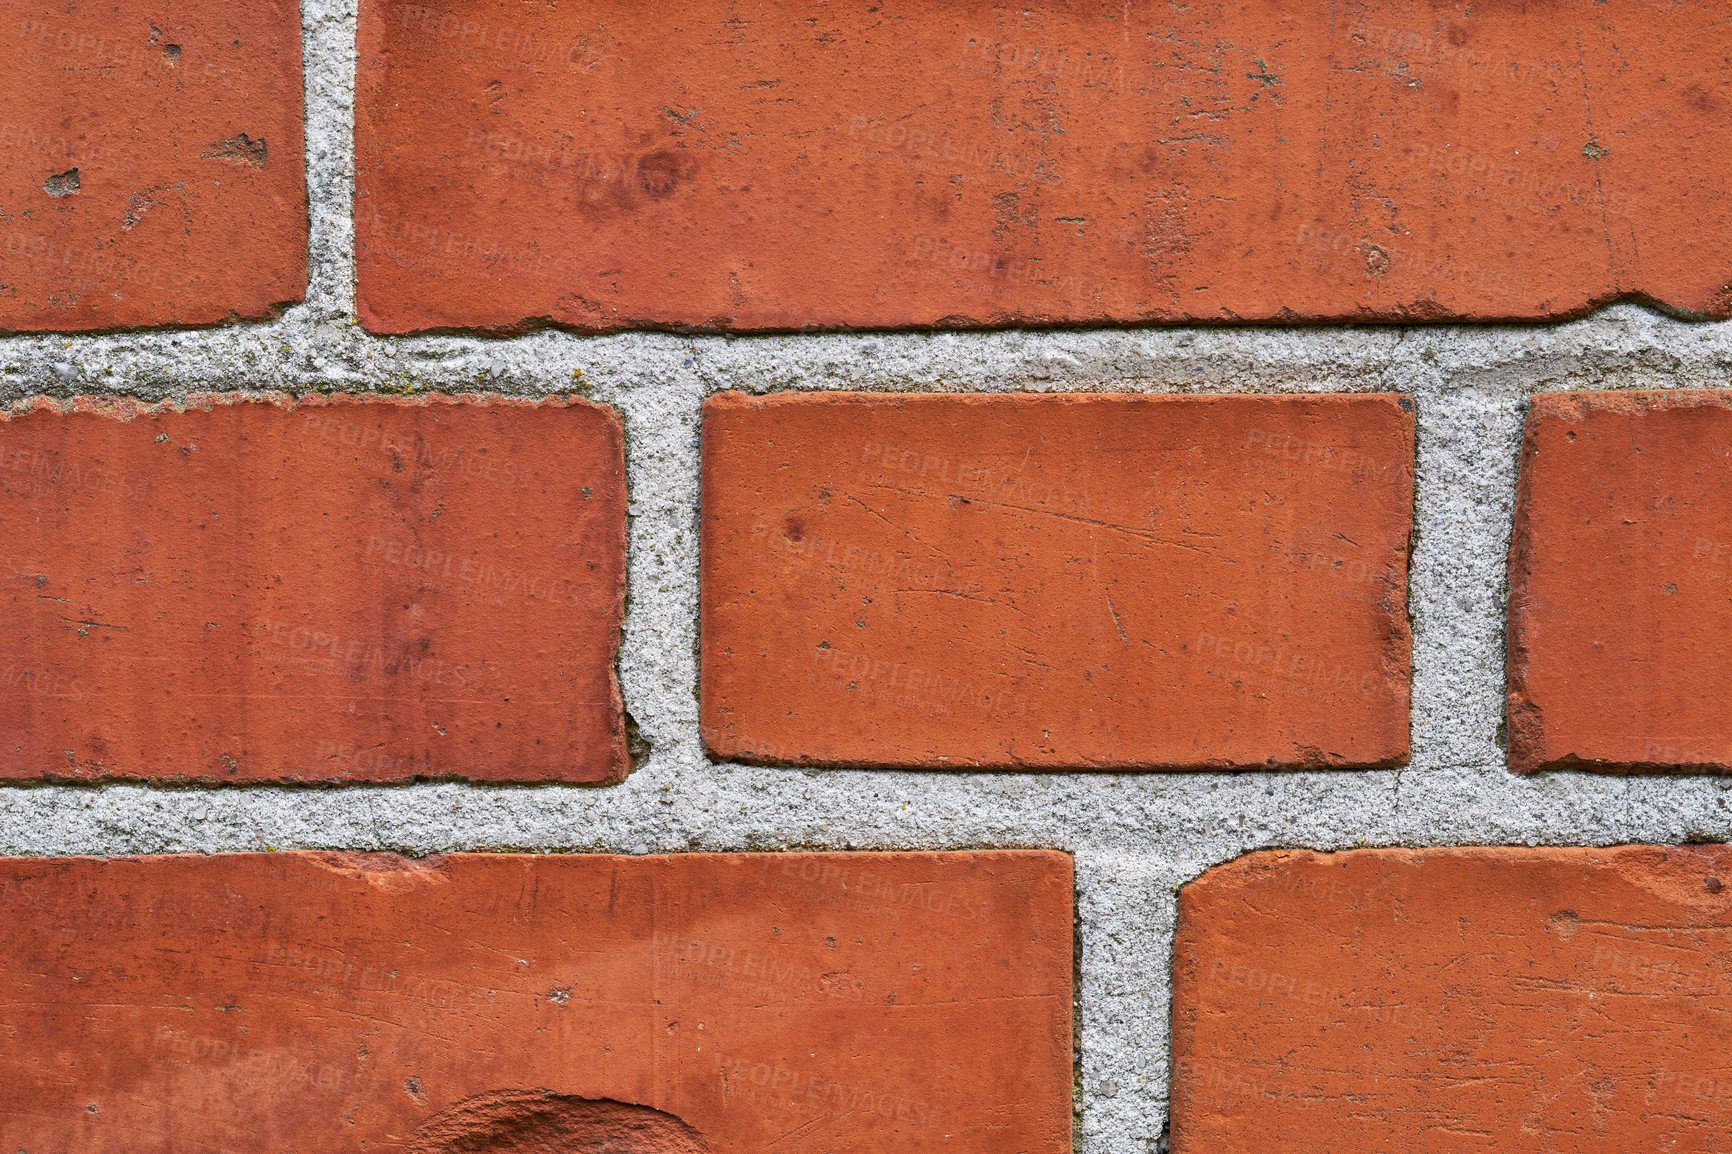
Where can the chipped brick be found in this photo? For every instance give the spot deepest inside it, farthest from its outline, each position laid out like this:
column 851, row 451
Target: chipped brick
column 695, row 1004
column 107, row 108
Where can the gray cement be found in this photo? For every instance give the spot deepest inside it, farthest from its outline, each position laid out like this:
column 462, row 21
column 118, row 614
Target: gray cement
column 1136, row 838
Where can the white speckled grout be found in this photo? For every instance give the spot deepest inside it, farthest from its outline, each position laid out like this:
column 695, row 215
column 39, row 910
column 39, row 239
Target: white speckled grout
column 1135, row 837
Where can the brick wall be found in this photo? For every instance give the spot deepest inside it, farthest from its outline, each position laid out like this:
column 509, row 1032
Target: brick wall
column 582, row 693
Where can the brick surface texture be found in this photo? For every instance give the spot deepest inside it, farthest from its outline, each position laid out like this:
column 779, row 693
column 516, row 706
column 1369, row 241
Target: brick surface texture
column 1056, row 582
column 603, row 166
column 1620, row 637
column 697, row 1004
column 846, row 459
column 151, row 163
column 1572, row 1001
column 367, row 589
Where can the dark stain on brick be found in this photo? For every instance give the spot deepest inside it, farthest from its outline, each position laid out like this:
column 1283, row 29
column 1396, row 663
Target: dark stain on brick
column 662, row 172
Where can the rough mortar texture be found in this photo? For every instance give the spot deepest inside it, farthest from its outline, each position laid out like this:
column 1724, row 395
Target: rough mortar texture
column 1136, row 837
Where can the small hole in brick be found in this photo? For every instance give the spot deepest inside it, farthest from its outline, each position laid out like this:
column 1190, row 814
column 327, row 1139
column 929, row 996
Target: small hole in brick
column 62, row 183
column 544, row 1122
column 238, row 150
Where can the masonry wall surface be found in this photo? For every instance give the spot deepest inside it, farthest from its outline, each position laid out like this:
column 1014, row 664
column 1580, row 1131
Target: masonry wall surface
column 1135, row 837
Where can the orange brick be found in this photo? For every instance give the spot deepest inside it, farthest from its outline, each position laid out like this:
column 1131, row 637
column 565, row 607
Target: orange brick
column 1620, row 568
column 337, row 589
column 1458, row 1000
column 603, row 165
column 698, row 1004
column 151, row 163
column 1052, row 582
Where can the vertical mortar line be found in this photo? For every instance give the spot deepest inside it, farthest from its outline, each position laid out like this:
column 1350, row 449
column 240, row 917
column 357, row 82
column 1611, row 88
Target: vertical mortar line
column 1500, row 543
column 660, row 409
column 1464, row 486
column 1124, row 995
column 328, row 59
column 1078, row 1141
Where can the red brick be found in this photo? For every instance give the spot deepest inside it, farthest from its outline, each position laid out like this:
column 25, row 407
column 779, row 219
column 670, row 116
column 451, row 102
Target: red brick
column 1056, row 581
column 246, row 590
column 723, row 1004
column 1620, row 643
column 601, row 165
column 1459, row 1000
column 151, row 163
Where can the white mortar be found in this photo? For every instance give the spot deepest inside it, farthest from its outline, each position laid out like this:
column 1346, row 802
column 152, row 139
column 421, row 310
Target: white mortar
column 1136, row 837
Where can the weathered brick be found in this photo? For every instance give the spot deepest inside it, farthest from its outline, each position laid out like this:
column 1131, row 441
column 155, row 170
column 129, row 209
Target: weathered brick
column 1620, row 635
column 243, row 590
column 604, row 166
column 151, row 163
column 1056, row 581
column 1573, row 1001
column 696, row 1004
